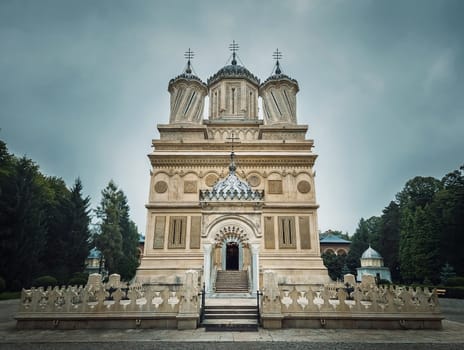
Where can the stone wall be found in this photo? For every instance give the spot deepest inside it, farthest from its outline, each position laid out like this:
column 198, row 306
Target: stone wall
column 349, row 305
column 111, row 305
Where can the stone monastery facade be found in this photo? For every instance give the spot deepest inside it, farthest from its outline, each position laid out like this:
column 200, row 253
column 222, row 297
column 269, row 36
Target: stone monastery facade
column 232, row 191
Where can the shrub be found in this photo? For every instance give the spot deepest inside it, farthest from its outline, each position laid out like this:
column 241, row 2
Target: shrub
column 78, row 281
column 455, row 282
column 2, row 285
column 83, row 275
column 45, row 281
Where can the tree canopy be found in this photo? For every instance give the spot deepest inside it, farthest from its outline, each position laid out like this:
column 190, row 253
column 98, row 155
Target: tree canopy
column 420, row 233
column 116, row 235
column 44, row 226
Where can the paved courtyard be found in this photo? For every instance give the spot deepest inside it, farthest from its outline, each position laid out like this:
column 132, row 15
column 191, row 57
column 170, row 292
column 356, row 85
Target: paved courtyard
column 451, row 337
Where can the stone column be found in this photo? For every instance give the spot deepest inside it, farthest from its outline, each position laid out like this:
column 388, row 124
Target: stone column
column 255, row 266
column 207, row 247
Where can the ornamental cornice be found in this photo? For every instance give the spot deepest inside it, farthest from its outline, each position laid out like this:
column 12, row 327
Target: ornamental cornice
column 202, row 163
column 244, row 172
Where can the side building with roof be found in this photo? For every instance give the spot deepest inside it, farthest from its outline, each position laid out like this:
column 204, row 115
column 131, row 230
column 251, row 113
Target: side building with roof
column 334, row 244
column 372, row 264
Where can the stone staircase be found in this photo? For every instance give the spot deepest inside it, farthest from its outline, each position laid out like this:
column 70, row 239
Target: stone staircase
column 235, row 318
column 232, row 282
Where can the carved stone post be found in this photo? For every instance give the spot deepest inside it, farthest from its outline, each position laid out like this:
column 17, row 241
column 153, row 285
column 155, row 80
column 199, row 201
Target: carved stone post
column 255, row 266
column 207, row 247
column 272, row 310
column 188, row 315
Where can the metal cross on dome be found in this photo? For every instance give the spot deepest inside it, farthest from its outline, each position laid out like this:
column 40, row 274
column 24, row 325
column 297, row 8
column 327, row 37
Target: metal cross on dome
column 234, row 48
column 189, row 55
column 277, row 55
column 233, row 138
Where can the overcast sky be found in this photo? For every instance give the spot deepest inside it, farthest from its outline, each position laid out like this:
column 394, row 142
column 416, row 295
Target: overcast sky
column 84, row 83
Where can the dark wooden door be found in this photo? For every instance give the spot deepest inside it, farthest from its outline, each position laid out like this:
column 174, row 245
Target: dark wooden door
column 232, row 256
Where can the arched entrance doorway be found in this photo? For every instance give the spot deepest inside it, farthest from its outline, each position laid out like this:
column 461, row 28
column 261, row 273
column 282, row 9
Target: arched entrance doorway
column 232, row 256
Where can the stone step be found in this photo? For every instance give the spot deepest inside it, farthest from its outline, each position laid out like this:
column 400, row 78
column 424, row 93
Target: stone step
column 228, row 317
column 233, row 307
column 231, row 282
column 232, row 285
column 233, row 325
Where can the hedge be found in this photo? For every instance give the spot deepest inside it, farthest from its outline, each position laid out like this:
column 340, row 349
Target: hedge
column 45, row 281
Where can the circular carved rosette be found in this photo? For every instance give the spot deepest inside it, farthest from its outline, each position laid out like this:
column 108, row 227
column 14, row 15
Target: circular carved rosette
column 161, row 187
column 303, row 186
column 211, row 180
column 254, row 180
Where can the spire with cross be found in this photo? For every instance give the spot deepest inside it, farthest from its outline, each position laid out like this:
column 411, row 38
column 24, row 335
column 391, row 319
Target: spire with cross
column 188, row 55
column 277, row 55
column 234, row 48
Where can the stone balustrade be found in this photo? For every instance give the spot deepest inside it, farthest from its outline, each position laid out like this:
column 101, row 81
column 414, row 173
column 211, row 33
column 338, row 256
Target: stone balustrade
column 111, row 305
column 346, row 305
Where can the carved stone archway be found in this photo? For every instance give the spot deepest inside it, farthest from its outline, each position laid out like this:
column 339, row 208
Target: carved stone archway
column 231, row 234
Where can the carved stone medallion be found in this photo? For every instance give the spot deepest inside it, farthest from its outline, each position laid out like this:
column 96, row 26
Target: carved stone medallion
column 303, row 186
column 211, row 180
column 254, row 180
column 190, row 187
column 161, row 186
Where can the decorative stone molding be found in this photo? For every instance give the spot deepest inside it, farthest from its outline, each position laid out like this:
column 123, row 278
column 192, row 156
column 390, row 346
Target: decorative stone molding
column 231, row 233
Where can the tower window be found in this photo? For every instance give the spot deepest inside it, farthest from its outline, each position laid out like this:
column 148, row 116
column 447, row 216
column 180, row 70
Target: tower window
column 287, row 233
column 177, row 230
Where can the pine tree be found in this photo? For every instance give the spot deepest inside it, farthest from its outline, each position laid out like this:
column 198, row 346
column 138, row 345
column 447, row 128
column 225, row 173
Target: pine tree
column 78, row 233
column 117, row 236
column 23, row 220
column 389, row 239
column 109, row 237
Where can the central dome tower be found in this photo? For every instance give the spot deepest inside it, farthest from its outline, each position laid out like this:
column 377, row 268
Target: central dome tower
column 233, row 92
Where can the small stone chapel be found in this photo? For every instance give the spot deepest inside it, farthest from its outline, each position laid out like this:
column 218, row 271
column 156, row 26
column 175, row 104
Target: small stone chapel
column 232, row 195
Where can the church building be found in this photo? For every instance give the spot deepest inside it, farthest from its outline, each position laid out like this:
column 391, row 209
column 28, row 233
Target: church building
column 232, row 194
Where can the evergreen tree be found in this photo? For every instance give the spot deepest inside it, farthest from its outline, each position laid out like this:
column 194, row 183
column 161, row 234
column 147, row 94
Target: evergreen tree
column 130, row 239
column 23, row 224
column 362, row 238
column 117, row 236
column 109, row 238
column 54, row 256
column 389, row 239
column 406, row 246
column 335, row 264
column 77, row 233
column 43, row 225
column 449, row 208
